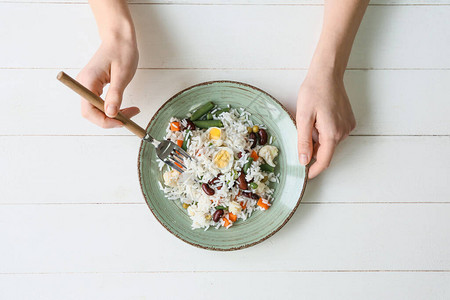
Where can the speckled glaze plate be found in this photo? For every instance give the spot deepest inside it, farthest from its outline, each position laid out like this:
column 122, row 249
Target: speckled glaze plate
column 288, row 193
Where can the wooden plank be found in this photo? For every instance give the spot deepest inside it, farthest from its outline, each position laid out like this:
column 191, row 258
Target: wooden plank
column 397, row 102
column 385, row 169
column 364, row 169
column 127, row 238
column 202, row 36
column 191, row 285
column 69, row 169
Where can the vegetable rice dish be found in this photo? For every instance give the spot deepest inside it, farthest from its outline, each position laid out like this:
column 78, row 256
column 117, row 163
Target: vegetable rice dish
column 232, row 172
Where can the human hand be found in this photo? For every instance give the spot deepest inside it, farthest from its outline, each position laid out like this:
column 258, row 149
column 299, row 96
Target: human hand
column 115, row 62
column 324, row 115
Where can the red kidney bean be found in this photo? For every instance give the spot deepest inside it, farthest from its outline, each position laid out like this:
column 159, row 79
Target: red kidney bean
column 190, row 125
column 252, row 136
column 262, row 136
column 214, row 181
column 239, row 155
column 207, row 189
column 250, row 195
column 217, row 215
column 242, row 182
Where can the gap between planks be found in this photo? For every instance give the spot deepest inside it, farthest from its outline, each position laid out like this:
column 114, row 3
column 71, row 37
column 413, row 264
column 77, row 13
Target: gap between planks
column 244, row 271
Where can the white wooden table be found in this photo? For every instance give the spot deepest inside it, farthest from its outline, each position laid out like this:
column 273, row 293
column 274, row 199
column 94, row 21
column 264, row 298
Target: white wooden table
column 73, row 221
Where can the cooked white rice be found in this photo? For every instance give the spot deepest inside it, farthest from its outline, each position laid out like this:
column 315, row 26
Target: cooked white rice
column 186, row 187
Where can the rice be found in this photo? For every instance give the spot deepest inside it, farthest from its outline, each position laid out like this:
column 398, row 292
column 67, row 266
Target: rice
column 205, row 168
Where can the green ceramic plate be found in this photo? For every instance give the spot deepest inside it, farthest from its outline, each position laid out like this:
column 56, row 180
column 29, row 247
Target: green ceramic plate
column 261, row 225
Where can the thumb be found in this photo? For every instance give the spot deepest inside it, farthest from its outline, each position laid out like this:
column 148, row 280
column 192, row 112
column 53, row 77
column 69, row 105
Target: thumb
column 113, row 100
column 118, row 83
column 305, row 143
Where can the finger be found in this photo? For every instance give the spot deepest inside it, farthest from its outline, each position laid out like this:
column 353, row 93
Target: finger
column 93, row 82
column 97, row 117
column 114, row 96
column 304, row 138
column 315, row 148
column 315, row 137
column 325, row 152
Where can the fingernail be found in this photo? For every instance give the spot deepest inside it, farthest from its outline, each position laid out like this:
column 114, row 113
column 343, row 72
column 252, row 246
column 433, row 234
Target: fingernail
column 303, row 159
column 111, row 109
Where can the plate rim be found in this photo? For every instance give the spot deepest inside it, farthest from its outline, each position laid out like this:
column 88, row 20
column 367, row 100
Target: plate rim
column 210, row 247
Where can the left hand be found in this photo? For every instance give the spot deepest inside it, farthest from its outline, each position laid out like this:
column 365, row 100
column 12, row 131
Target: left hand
column 324, row 115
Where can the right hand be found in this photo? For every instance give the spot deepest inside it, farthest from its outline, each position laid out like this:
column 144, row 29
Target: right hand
column 324, row 118
column 115, row 62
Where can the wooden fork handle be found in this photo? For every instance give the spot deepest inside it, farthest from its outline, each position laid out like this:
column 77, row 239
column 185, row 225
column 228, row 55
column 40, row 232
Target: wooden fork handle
column 99, row 103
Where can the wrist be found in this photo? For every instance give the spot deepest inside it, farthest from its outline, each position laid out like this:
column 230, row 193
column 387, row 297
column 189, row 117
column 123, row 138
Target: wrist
column 120, row 31
column 325, row 68
column 331, row 56
column 327, row 63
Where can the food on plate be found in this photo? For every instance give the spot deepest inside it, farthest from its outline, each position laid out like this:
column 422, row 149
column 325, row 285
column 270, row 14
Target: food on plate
column 233, row 170
column 268, row 153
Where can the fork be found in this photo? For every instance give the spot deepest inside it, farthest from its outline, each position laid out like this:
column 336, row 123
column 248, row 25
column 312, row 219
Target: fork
column 167, row 151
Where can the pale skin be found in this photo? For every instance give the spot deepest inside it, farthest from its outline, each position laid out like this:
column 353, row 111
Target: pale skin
column 115, row 62
column 324, row 114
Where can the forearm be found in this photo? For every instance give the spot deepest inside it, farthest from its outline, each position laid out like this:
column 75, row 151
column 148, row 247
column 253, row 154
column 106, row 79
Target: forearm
column 113, row 19
column 340, row 25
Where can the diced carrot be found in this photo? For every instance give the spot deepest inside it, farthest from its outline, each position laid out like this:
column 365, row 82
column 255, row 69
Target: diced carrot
column 233, row 217
column 262, row 204
column 175, row 126
column 180, row 143
column 254, row 155
column 178, row 165
column 226, row 222
column 243, row 205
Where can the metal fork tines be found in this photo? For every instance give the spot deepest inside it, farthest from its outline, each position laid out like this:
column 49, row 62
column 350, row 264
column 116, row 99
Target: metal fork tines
column 176, row 161
column 172, row 155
